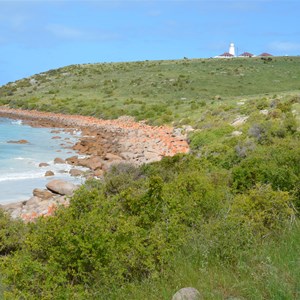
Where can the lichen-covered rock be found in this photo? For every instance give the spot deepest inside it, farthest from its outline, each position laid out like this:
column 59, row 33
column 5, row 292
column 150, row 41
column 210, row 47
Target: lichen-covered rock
column 188, row 293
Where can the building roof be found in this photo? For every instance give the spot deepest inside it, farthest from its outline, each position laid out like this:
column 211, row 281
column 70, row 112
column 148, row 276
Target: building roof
column 226, row 54
column 246, row 54
column 265, row 54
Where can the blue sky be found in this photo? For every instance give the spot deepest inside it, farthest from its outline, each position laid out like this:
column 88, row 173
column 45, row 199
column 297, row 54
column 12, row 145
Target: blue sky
column 39, row 35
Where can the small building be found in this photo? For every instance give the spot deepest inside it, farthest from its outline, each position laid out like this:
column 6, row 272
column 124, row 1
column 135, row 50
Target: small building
column 264, row 54
column 246, row 54
column 225, row 55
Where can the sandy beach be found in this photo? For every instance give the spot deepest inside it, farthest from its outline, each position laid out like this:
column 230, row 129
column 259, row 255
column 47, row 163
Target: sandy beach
column 103, row 143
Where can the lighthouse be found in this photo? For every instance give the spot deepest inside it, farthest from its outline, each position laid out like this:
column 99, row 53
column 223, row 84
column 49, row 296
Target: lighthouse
column 232, row 49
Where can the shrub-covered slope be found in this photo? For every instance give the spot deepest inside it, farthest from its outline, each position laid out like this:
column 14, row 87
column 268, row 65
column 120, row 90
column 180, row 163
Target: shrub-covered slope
column 159, row 91
column 223, row 218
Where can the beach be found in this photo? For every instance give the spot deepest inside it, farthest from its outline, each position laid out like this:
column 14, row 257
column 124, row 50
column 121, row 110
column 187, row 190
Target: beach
column 102, row 144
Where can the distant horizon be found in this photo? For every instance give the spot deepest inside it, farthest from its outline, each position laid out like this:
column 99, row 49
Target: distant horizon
column 36, row 36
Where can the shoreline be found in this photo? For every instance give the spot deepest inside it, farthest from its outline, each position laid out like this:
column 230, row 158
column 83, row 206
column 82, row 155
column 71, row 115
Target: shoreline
column 171, row 143
column 103, row 142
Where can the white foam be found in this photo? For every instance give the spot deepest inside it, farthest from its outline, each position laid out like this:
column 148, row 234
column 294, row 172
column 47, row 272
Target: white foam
column 23, row 158
column 17, row 122
column 21, row 176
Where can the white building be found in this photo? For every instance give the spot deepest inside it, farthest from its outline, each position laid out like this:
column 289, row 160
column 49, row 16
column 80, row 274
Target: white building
column 232, row 49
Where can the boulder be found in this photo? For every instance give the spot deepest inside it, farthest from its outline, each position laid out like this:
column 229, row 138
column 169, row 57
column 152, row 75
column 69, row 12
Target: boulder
column 59, row 160
column 10, row 207
column 93, row 163
column 76, row 172
column 18, row 142
column 62, row 200
column 98, row 172
column 73, row 160
column 61, row 187
column 43, row 194
column 110, row 156
column 239, row 121
column 188, row 293
column 49, row 173
column 236, row 133
column 33, row 201
column 43, row 164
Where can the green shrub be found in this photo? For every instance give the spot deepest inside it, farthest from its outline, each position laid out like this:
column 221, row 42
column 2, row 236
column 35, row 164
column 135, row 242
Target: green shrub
column 262, row 210
column 204, row 137
column 277, row 164
column 11, row 234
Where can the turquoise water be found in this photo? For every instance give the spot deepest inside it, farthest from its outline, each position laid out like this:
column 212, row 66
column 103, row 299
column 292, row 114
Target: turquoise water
column 19, row 163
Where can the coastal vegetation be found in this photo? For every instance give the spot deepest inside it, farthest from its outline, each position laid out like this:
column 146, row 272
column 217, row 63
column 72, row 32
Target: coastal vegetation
column 223, row 218
column 157, row 91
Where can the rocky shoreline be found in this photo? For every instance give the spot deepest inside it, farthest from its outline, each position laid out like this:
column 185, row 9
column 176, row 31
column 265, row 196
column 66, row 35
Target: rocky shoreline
column 103, row 143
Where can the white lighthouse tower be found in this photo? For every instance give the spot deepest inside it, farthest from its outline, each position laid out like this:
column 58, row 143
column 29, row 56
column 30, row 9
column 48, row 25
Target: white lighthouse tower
column 232, row 49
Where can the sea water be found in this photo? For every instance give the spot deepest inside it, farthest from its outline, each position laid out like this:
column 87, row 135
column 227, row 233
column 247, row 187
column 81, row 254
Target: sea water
column 19, row 163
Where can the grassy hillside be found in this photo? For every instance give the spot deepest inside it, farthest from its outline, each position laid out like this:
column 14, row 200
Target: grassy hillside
column 223, row 218
column 159, row 91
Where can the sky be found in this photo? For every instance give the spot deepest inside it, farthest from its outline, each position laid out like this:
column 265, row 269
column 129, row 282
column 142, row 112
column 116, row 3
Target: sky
column 36, row 36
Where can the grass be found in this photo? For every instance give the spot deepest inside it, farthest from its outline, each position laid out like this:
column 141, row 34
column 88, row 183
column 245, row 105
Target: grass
column 207, row 94
column 158, row 91
column 268, row 271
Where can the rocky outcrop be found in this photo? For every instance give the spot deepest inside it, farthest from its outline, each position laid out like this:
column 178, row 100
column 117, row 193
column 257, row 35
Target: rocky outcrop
column 35, row 207
column 145, row 143
column 103, row 143
column 61, row 187
column 93, row 162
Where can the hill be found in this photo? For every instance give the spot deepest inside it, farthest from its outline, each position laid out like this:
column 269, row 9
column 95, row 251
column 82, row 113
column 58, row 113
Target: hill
column 158, row 91
column 223, row 218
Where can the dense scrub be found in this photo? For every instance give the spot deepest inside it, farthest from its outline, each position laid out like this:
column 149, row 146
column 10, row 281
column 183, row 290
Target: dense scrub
column 129, row 227
column 222, row 218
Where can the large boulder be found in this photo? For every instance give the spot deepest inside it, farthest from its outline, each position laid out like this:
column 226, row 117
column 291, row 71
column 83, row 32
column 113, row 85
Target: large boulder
column 188, row 293
column 93, row 163
column 43, row 194
column 61, row 187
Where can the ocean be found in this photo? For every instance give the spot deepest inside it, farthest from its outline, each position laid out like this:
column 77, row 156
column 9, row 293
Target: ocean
column 19, row 163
